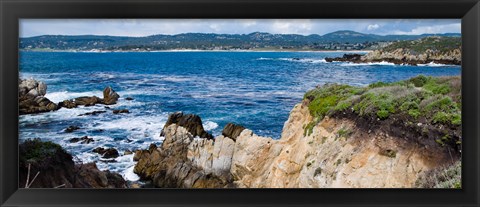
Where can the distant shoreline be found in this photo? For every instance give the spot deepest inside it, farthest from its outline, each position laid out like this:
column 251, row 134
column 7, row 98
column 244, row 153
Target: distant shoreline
column 187, row 50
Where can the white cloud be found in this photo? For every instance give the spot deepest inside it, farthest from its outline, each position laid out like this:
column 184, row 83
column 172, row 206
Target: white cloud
column 301, row 26
column 145, row 27
column 434, row 29
column 373, row 27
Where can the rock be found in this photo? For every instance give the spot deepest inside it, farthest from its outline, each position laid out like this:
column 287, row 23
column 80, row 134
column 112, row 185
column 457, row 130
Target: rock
column 56, row 168
column 110, row 96
column 71, row 128
column 92, row 113
column 67, row 104
column 87, row 100
column 82, row 140
column 31, row 98
column 106, row 153
column 127, row 152
column 191, row 122
column 129, row 99
column 232, row 130
column 119, row 111
column 346, row 58
column 170, row 165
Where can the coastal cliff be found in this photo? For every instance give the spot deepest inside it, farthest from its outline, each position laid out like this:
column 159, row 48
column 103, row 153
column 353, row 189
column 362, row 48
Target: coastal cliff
column 381, row 136
column 438, row 50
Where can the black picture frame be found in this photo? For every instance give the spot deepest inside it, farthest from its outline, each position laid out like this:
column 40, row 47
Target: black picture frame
column 13, row 10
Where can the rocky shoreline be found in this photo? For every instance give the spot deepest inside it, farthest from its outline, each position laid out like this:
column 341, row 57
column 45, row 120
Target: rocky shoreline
column 336, row 147
column 436, row 50
column 32, row 100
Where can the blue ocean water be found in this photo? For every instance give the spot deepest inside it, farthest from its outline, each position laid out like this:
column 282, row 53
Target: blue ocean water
column 254, row 89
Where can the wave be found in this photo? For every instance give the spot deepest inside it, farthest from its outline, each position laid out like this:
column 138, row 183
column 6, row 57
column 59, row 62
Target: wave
column 301, row 60
column 209, row 125
column 368, row 64
column 432, row 64
column 65, row 95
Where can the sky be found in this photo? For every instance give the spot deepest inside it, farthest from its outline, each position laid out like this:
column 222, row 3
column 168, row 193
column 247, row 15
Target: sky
column 146, row 27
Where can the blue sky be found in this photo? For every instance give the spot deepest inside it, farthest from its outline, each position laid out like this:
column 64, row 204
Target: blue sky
column 145, row 27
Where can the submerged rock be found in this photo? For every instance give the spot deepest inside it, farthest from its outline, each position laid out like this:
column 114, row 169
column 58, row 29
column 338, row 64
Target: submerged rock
column 107, row 153
column 72, row 128
column 191, row 122
column 92, row 113
column 121, row 111
column 31, row 98
column 56, row 168
column 82, row 140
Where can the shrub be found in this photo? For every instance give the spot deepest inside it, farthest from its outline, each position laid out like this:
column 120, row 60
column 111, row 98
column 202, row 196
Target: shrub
column 418, row 81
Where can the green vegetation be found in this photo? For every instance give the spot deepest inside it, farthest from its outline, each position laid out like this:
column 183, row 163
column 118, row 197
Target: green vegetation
column 389, row 153
column 344, row 132
column 438, row 99
column 34, row 150
column 445, row 177
column 434, row 43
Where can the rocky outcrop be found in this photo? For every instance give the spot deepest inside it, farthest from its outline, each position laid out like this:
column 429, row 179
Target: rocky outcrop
column 339, row 153
column 185, row 162
column 346, row 58
column 110, row 96
column 191, row 122
column 47, row 165
column 405, row 56
column 438, row 50
column 31, row 98
column 232, row 130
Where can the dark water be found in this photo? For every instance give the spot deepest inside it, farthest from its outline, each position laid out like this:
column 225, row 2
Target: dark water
column 254, row 89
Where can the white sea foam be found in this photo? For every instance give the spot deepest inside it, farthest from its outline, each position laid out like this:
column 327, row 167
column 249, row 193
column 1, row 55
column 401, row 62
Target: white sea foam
column 432, row 64
column 65, row 95
column 301, row 60
column 176, row 79
column 209, row 125
column 129, row 175
column 367, row 64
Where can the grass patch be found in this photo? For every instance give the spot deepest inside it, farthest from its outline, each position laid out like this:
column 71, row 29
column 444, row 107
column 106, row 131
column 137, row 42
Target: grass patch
column 344, row 132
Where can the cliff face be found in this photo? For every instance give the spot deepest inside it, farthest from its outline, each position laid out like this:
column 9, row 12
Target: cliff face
column 335, row 154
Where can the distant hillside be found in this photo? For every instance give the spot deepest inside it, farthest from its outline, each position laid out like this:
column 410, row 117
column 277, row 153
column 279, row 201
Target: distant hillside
column 201, row 41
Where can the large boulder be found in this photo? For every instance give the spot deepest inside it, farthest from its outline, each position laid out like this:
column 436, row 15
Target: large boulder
column 56, row 168
column 232, row 130
column 31, row 98
column 110, row 96
column 191, row 122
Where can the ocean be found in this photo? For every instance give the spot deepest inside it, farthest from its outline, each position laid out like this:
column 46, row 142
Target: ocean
column 253, row 89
